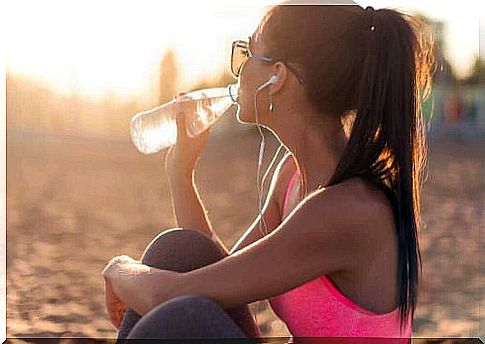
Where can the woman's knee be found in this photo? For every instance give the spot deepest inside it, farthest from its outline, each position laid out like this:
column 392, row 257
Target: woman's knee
column 181, row 250
column 187, row 316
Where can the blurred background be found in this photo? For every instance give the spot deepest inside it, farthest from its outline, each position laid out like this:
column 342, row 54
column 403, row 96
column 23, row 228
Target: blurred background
column 79, row 193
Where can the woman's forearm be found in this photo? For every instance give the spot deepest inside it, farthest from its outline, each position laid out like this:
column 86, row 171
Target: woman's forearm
column 189, row 210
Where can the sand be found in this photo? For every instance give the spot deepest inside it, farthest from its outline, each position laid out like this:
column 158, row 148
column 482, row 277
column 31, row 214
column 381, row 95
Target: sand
column 73, row 203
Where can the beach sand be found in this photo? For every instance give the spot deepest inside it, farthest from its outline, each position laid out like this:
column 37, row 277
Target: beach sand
column 74, row 203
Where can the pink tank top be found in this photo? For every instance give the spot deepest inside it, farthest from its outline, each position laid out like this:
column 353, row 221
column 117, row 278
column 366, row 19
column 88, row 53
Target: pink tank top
column 318, row 309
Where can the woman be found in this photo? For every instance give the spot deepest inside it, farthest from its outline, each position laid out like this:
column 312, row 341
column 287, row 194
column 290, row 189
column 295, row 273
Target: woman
column 340, row 87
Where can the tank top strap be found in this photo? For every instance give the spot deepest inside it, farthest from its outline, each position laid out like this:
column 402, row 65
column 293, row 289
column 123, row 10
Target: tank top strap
column 288, row 190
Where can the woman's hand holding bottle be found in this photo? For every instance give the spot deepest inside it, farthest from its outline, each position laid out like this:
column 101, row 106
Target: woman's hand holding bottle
column 181, row 158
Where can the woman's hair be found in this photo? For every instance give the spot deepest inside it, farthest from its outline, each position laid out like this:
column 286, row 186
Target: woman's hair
column 374, row 67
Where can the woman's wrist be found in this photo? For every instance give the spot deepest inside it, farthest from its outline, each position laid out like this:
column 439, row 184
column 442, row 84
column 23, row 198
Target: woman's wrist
column 177, row 176
column 177, row 164
column 166, row 285
column 176, row 169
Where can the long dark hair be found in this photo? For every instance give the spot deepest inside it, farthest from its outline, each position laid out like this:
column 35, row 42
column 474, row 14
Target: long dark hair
column 375, row 68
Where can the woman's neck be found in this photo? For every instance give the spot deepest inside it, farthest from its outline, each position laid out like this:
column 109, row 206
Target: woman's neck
column 317, row 156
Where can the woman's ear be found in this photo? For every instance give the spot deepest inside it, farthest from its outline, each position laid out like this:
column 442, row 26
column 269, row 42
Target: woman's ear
column 281, row 73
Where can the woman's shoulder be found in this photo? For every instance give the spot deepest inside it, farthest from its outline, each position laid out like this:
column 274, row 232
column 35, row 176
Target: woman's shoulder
column 369, row 205
column 368, row 194
column 371, row 209
column 355, row 192
column 364, row 197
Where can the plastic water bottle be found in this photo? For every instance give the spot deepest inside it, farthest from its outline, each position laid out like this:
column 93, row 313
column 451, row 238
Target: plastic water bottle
column 156, row 129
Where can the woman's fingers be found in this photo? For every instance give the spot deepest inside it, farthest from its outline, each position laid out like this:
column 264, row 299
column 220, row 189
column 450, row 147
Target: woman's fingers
column 207, row 106
column 182, row 109
column 192, row 133
column 112, row 265
column 114, row 306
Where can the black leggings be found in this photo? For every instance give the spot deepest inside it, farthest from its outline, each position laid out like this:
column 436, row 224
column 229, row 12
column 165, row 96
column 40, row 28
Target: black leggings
column 187, row 316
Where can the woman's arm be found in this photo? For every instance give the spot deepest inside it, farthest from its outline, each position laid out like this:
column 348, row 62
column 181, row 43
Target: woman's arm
column 189, row 210
column 323, row 234
column 180, row 162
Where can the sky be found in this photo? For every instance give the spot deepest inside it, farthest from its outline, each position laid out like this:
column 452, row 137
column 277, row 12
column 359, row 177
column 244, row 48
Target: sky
column 115, row 45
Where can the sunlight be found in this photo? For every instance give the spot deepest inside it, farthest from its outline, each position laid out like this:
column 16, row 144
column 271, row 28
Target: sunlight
column 95, row 48
column 91, row 46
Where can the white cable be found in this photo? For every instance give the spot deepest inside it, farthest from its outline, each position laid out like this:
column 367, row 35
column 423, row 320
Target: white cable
column 260, row 160
column 262, row 183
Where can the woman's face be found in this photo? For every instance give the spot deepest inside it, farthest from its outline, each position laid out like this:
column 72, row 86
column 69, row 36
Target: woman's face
column 253, row 74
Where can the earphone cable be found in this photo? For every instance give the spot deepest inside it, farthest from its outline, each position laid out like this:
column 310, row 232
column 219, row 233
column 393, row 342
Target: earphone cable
column 260, row 159
column 260, row 186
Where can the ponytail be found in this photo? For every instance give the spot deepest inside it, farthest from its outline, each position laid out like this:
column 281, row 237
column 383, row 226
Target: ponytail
column 387, row 145
column 370, row 67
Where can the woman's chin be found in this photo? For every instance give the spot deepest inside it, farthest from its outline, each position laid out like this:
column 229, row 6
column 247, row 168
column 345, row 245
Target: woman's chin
column 241, row 117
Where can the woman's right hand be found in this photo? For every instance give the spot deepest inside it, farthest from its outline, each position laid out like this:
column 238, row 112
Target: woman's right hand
column 114, row 306
column 182, row 157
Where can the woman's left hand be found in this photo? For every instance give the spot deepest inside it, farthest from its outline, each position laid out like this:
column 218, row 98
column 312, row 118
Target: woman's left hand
column 139, row 286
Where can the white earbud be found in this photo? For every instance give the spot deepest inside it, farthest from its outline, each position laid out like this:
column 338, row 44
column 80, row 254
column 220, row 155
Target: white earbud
column 271, row 81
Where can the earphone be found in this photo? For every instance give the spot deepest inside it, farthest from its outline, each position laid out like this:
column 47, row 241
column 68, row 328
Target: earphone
column 271, row 81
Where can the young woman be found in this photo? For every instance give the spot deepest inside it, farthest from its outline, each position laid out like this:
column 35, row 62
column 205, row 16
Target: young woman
column 341, row 88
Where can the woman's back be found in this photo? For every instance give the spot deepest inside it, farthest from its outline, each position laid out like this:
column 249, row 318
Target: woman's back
column 356, row 303
column 374, row 284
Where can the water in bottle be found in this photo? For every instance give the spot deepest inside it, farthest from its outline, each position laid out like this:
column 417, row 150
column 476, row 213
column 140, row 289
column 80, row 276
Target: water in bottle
column 156, row 129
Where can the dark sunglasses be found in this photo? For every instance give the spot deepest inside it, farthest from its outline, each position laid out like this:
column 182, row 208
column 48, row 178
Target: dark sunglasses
column 241, row 53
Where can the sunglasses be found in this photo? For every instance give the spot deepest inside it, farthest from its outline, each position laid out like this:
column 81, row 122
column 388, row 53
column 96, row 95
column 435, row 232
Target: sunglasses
column 241, row 53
